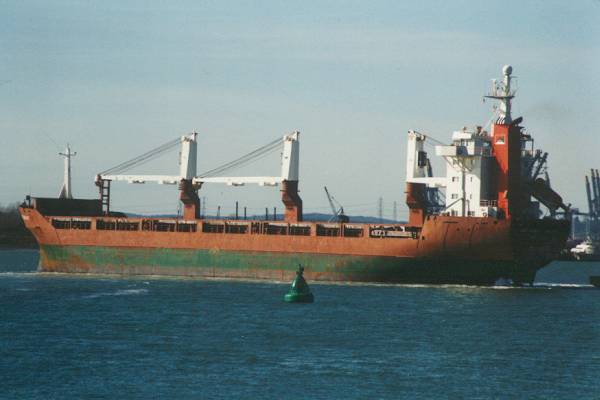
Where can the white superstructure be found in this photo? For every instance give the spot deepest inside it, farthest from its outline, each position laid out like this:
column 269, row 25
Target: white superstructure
column 473, row 175
column 469, row 163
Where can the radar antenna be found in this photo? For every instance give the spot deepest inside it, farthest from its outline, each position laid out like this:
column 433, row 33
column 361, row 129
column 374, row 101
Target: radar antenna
column 503, row 93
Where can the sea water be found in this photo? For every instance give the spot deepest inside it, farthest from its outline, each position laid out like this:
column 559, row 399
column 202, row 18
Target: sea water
column 79, row 336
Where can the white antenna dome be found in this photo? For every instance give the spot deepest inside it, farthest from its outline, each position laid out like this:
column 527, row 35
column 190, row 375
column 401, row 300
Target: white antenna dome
column 507, row 70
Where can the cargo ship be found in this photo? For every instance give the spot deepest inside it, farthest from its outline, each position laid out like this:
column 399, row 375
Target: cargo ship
column 479, row 223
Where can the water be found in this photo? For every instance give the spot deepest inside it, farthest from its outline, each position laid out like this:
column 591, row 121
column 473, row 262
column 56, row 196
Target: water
column 65, row 336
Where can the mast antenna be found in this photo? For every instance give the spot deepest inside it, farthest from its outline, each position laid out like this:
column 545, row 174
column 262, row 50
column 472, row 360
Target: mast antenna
column 504, row 94
column 65, row 191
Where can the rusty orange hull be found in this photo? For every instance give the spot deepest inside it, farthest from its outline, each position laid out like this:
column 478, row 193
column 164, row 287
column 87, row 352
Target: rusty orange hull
column 445, row 249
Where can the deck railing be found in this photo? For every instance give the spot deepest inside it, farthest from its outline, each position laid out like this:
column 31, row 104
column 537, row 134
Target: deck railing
column 236, row 227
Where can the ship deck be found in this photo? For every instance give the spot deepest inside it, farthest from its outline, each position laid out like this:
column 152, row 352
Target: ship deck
column 234, row 226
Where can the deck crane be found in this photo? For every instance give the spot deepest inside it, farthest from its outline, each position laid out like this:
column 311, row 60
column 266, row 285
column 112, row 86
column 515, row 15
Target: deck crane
column 190, row 181
column 338, row 213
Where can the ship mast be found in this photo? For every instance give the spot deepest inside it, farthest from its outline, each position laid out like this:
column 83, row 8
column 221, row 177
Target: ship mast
column 65, row 191
column 506, row 148
column 503, row 93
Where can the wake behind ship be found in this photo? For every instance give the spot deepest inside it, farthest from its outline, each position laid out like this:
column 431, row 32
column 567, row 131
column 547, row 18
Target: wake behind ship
column 479, row 223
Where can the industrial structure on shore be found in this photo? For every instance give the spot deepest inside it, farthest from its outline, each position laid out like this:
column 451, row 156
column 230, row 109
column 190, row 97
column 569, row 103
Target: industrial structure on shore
column 593, row 200
column 479, row 222
column 589, row 248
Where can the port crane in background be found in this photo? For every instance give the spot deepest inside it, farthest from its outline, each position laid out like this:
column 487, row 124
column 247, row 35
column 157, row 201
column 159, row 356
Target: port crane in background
column 589, row 249
column 591, row 219
column 338, row 212
column 593, row 198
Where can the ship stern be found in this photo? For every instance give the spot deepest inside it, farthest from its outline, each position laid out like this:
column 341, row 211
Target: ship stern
column 535, row 244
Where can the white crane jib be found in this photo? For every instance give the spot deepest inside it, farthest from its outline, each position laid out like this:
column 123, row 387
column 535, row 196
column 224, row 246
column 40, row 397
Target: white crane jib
column 290, row 160
column 188, row 162
column 187, row 165
column 417, row 164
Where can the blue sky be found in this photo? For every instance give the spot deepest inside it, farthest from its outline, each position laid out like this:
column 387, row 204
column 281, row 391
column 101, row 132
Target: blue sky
column 115, row 79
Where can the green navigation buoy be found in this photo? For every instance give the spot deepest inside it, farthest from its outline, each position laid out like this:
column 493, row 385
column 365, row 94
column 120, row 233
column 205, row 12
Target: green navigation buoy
column 299, row 292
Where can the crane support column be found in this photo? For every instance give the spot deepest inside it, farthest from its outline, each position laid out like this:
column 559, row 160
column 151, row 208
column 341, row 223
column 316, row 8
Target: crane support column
column 188, row 195
column 290, row 160
column 596, row 179
column 291, row 201
column 416, row 202
column 188, row 155
column 591, row 208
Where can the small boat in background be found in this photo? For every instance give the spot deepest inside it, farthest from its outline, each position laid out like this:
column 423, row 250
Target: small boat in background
column 588, row 250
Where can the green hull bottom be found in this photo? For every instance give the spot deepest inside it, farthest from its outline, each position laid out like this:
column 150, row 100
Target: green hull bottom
column 277, row 266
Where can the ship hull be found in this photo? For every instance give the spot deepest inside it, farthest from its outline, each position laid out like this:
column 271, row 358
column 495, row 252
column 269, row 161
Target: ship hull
column 445, row 250
column 271, row 266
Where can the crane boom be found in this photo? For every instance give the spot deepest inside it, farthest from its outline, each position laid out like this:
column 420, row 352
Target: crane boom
column 588, row 191
column 597, row 198
column 338, row 214
column 289, row 165
column 333, row 210
column 593, row 187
